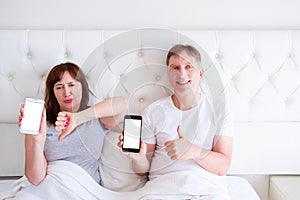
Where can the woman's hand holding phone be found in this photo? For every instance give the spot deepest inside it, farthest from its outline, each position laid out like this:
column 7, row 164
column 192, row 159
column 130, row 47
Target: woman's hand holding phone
column 41, row 136
column 32, row 113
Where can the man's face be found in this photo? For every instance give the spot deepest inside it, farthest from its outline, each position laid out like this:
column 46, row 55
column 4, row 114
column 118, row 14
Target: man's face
column 184, row 73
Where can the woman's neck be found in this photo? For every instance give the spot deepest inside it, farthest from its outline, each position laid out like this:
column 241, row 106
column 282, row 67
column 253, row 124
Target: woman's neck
column 186, row 101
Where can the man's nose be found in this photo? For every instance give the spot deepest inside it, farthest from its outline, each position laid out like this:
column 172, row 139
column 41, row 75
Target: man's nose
column 181, row 72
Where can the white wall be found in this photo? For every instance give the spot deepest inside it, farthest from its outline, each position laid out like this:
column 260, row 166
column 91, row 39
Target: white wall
column 128, row 14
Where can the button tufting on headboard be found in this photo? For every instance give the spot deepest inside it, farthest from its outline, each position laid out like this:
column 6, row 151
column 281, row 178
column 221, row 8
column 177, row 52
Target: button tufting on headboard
column 269, row 74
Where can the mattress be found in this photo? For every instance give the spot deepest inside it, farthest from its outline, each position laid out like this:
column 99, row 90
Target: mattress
column 238, row 188
column 284, row 187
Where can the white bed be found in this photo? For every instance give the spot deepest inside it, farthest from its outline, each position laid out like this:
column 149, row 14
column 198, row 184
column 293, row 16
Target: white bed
column 66, row 180
column 238, row 188
column 131, row 64
column 5, row 184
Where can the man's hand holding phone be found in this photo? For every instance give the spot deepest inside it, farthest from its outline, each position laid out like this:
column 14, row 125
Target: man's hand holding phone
column 130, row 140
column 142, row 152
column 132, row 146
column 132, row 129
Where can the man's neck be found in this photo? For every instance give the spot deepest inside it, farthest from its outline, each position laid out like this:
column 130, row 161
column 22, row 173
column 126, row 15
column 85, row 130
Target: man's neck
column 186, row 101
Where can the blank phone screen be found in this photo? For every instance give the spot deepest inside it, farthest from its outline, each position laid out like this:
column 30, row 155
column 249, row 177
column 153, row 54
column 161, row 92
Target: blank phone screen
column 32, row 117
column 132, row 132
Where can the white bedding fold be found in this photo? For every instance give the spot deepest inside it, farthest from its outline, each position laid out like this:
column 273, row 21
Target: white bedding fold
column 66, row 180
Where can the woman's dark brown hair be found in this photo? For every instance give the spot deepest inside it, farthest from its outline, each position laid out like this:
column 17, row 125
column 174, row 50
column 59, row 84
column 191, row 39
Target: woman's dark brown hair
column 55, row 75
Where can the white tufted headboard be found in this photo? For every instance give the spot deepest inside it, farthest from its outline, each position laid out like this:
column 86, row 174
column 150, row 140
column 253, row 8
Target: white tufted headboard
column 259, row 69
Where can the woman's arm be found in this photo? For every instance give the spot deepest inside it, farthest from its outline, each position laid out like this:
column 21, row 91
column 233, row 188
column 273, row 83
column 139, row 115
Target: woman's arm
column 104, row 109
column 111, row 122
column 35, row 161
column 109, row 111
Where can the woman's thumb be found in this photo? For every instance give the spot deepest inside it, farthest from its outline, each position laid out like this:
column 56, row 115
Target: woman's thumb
column 179, row 132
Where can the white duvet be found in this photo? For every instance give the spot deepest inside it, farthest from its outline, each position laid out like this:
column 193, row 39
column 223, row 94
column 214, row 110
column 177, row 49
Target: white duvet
column 66, row 180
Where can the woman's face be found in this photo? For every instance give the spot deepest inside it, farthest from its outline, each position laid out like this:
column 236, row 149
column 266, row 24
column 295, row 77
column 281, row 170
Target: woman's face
column 68, row 93
column 184, row 74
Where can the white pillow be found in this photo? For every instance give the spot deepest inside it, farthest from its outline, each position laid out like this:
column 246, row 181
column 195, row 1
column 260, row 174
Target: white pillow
column 116, row 169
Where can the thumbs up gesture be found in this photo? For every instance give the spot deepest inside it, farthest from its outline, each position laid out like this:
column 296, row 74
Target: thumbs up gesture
column 180, row 149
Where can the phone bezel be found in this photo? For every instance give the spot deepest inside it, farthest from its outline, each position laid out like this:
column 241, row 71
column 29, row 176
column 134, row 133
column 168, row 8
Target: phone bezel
column 134, row 117
column 31, row 100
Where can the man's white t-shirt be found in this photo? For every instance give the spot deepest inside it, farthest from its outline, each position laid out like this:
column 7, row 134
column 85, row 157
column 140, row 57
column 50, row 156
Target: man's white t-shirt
column 198, row 125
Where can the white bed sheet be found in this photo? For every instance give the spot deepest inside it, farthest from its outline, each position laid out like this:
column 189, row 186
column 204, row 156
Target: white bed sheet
column 5, row 184
column 238, row 188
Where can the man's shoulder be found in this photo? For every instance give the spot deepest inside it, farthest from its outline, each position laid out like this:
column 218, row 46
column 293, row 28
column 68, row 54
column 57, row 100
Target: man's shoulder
column 160, row 102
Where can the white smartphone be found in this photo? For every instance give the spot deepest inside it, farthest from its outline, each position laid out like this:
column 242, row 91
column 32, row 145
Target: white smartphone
column 132, row 133
column 32, row 115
